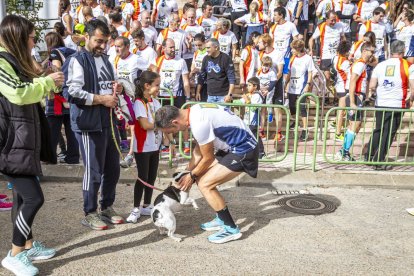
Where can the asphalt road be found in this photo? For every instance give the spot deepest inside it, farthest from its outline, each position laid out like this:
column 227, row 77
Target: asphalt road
column 369, row 233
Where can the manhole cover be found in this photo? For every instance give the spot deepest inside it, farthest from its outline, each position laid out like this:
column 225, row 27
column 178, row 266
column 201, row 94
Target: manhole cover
column 306, row 205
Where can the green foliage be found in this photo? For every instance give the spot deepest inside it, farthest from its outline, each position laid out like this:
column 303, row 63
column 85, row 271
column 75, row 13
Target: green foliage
column 30, row 10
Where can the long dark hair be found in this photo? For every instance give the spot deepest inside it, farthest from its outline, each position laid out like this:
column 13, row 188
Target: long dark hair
column 146, row 77
column 14, row 36
column 63, row 5
column 53, row 40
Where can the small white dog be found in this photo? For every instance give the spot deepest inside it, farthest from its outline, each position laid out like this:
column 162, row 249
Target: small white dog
column 167, row 204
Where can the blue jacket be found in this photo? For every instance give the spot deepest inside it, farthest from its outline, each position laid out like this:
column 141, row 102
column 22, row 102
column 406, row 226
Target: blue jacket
column 87, row 118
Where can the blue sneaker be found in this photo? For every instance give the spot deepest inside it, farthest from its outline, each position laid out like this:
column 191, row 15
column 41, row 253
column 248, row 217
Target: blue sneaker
column 270, row 117
column 19, row 264
column 226, row 234
column 9, row 186
column 214, row 225
column 40, row 252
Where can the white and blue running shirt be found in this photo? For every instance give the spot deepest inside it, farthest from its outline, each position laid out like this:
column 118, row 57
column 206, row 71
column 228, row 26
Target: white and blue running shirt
column 213, row 123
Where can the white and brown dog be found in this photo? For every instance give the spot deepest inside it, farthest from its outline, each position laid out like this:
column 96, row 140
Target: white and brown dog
column 167, row 204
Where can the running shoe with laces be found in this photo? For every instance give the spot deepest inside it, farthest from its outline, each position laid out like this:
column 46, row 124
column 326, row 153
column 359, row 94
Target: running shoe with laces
column 187, row 150
column 40, row 252
column 19, row 264
column 279, row 137
column 93, row 221
column 6, row 206
column 134, row 216
column 339, row 138
column 339, row 155
column 146, row 211
column 111, row 216
column 262, row 133
column 226, row 234
column 214, row 225
column 348, row 157
column 304, row 135
column 127, row 162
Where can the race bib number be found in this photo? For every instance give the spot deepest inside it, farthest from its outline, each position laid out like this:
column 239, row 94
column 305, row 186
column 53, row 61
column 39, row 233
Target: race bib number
column 198, row 64
column 294, row 83
column 380, row 42
column 168, row 79
column 223, row 48
column 279, row 44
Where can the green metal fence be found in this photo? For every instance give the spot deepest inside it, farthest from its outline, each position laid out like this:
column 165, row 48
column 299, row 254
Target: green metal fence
column 168, row 101
column 275, row 150
column 314, row 140
column 385, row 149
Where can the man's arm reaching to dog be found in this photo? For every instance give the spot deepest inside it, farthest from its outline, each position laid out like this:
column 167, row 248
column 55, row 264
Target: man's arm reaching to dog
column 202, row 159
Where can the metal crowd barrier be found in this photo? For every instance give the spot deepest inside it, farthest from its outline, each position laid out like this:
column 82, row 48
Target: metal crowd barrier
column 364, row 151
column 275, row 151
column 167, row 101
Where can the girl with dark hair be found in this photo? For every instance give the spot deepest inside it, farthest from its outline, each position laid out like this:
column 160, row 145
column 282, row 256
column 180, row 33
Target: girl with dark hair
column 147, row 141
column 71, row 40
column 67, row 20
column 57, row 108
column 23, row 138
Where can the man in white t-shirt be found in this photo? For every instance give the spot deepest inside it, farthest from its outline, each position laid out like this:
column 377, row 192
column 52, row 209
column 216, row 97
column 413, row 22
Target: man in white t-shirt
column 207, row 20
column 149, row 31
column 300, row 12
column 365, row 9
column 347, row 12
column 161, row 11
column 174, row 74
column 127, row 12
column 116, row 21
column 141, row 49
column 357, row 86
column 329, row 33
column 191, row 28
column 392, row 82
column 323, row 7
column 377, row 26
column 225, row 148
column 176, row 34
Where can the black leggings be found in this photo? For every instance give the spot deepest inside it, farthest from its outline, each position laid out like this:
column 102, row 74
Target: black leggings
column 27, row 200
column 147, row 165
column 292, row 105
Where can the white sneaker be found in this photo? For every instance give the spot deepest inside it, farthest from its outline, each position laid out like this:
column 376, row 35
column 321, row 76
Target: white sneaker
column 127, row 162
column 19, row 264
column 134, row 216
column 146, row 211
column 338, row 156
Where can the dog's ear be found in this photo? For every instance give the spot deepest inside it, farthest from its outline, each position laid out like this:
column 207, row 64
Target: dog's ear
column 156, row 215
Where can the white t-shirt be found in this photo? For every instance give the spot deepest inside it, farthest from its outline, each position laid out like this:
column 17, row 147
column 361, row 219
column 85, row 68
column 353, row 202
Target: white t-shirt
column 367, row 8
column 128, row 68
column 191, row 30
column 272, row 7
column 146, row 140
column 346, row 9
column 254, row 62
column 266, row 77
column 259, row 20
column 406, row 34
column 277, row 58
column 355, row 52
column 74, row 4
column 380, row 33
column 121, row 29
column 292, row 6
column 198, row 58
column 163, row 9
column 150, row 35
column 324, row 6
column 359, row 68
column 170, row 71
column 217, row 124
column 127, row 10
column 251, row 114
column 179, row 39
column 69, row 43
column 238, row 5
column 391, row 91
column 342, row 71
column 104, row 80
column 97, row 11
column 282, row 37
column 208, row 24
column 148, row 54
column 301, row 69
column 330, row 40
column 226, row 41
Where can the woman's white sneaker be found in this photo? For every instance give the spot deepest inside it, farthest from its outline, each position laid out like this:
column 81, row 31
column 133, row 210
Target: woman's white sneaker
column 146, row 211
column 134, row 216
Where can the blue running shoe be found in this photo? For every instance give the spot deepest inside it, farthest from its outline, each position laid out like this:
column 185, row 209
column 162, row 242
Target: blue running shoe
column 19, row 264
column 214, row 225
column 226, row 234
column 270, row 117
column 9, row 186
column 40, row 252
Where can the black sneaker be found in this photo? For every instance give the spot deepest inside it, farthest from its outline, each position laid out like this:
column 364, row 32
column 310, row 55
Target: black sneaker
column 383, row 167
column 292, row 126
column 304, row 135
column 348, row 157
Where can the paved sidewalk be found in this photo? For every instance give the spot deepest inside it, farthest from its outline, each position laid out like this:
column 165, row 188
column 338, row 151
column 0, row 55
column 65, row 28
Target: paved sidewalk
column 368, row 234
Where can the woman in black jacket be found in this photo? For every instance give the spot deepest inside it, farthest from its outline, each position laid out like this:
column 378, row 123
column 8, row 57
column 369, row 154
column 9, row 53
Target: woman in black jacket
column 23, row 131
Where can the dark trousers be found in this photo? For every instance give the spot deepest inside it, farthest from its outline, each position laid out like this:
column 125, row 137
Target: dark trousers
column 385, row 132
column 239, row 31
column 27, row 200
column 101, row 163
column 147, row 166
column 55, row 125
